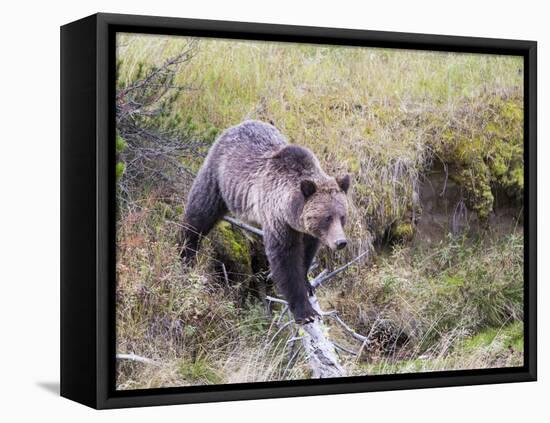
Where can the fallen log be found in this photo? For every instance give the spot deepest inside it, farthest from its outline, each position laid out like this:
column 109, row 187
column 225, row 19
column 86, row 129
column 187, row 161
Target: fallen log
column 320, row 351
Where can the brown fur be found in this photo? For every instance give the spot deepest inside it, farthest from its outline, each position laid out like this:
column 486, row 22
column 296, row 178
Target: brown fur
column 252, row 172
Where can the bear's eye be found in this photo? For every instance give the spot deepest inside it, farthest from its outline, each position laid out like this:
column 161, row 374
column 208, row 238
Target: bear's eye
column 328, row 219
column 343, row 220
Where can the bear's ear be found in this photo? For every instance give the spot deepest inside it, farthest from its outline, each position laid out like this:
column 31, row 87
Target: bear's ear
column 344, row 182
column 308, row 187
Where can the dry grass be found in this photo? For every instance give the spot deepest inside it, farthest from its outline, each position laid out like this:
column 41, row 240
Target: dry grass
column 385, row 116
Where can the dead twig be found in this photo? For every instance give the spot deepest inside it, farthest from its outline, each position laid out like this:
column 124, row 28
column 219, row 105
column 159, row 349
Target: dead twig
column 341, row 348
column 138, row 358
column 321, row 278
column 225, row 274
column 349, row 330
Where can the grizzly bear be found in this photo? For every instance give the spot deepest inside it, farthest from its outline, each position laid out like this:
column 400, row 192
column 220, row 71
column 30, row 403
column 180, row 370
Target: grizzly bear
column 253, row 172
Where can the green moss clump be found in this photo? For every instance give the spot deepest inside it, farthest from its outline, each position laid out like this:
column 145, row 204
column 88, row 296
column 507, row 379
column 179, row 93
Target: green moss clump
column 233, row 249
column 119, row 170
column 402, row 231
column 476, row 181
column 483, row 147
column 120, row 144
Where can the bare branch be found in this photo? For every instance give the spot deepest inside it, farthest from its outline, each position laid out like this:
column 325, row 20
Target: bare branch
column 340, row 347
column 243, row 225
column 276, row 300
column 287, row 324
column 291, row 361
column 349, row 330
column 138, row 358
column 225, row 274
column 151, row 151
column 165, row 71
column 319, row 280
column 320, row 276
column 283, row 312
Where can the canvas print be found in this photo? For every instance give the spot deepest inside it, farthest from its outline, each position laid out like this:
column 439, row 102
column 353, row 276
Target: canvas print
column 291, row 211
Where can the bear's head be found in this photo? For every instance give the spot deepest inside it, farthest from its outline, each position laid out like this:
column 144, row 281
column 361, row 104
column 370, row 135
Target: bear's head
column 325, row 210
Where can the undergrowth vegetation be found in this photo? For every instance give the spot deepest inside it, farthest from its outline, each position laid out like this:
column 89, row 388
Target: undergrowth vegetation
column 390, row 118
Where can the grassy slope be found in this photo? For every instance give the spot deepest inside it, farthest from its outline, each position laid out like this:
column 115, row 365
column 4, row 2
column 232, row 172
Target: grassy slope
column 382, row 115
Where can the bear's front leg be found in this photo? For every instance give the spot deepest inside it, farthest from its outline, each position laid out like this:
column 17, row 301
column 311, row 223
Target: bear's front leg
column 285, row 251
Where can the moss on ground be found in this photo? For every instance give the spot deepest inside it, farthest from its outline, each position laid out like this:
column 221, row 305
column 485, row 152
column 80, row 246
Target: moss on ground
column 234, row 249
column 402, row 231
column 483, row 147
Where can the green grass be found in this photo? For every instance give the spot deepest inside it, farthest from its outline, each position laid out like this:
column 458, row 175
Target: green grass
column 456, row 305
column 200, row 373
column 386, row 116
column 510, row 336
column 492, row 347
column 383, row 115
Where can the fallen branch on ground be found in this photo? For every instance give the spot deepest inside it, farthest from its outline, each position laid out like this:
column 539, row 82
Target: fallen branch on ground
column 138, row 358
column 349, row 330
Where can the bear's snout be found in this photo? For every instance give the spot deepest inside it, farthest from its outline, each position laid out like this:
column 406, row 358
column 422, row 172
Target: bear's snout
column 341, row 243
column 335, row 237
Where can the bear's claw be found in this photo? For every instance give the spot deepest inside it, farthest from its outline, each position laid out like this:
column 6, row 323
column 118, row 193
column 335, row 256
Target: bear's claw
column 306, row 320
column 308, row 315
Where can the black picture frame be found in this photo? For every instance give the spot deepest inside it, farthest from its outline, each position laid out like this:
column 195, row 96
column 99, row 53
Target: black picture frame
column 88, row 209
